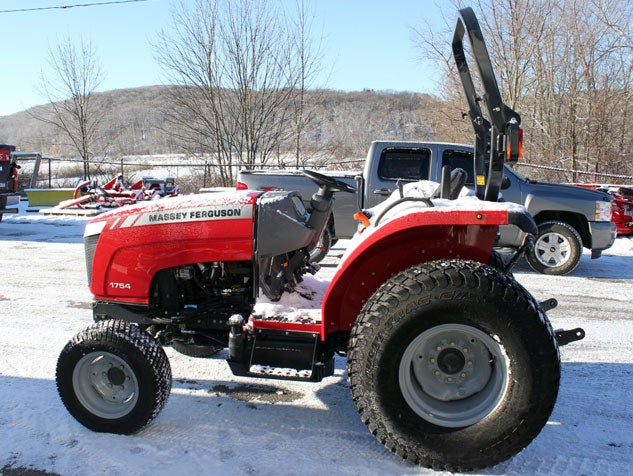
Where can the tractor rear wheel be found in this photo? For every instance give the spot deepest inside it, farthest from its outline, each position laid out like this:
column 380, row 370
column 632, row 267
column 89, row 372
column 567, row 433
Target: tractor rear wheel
column 113, row 377
column 453, row 365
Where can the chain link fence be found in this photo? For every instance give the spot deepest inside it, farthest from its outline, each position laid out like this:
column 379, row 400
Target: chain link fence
column 192, row 174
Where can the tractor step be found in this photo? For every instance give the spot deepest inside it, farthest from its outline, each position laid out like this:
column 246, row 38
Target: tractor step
column 287, row 355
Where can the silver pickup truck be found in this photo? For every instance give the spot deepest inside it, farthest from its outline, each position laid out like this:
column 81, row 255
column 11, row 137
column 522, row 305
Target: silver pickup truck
column 568, row 218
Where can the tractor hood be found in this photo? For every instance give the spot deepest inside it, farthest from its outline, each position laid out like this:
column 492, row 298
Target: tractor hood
column 177, row 210
column 125, row 248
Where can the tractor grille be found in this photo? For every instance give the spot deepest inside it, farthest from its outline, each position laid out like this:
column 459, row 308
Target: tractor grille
column 90, row 244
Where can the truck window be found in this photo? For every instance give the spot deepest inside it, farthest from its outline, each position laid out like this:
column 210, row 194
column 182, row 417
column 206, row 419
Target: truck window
column 460, row 159
column 404, row 164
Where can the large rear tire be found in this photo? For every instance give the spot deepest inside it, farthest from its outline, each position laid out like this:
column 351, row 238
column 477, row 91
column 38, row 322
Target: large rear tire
column 453, row 365
column 113, row 377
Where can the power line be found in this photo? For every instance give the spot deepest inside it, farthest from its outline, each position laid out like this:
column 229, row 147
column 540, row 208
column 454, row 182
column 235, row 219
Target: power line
column 64, row 7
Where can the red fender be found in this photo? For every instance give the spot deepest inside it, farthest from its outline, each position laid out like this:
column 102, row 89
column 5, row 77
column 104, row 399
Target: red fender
column 399, row 244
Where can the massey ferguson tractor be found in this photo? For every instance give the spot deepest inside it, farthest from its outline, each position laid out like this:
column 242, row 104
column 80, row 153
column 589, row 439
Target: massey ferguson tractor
column 451, row 363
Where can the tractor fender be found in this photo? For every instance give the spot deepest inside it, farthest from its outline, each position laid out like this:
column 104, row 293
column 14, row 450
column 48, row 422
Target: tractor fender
column 397, row 245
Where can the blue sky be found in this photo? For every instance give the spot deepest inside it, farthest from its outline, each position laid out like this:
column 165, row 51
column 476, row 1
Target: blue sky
column 366, row 44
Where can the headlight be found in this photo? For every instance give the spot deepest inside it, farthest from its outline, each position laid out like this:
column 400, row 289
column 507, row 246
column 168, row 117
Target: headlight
column 603, row 211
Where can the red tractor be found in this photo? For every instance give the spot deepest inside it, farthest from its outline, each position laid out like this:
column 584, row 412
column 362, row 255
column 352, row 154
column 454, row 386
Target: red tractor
column 9, row 198
column 451, row 363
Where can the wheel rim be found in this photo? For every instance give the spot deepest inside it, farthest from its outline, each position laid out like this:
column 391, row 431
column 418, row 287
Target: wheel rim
column 453, row 375
column 552, row 249
column 105, row 385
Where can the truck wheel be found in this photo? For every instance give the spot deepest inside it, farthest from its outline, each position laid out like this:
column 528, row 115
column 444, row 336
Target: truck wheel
column 557, row 249
column 113, row 377
column 323, row 246
column 453, row 365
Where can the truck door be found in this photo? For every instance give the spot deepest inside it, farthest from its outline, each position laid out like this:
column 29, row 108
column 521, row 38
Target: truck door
column 511, row 186
column 406, row 164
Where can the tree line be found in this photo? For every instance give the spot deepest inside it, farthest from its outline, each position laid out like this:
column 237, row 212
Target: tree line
column 134, row 123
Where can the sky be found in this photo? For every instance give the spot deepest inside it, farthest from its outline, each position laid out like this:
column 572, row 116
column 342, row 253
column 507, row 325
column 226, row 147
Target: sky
column 365, row 44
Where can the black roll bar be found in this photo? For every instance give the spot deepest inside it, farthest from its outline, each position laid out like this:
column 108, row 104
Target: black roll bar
column 490, row 131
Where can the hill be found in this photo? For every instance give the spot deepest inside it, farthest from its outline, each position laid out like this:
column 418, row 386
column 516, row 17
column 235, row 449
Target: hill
column 343, row 124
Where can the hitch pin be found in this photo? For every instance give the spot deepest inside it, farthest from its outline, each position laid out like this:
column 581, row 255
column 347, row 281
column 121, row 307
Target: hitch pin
column 564, row 337
column 548, row 304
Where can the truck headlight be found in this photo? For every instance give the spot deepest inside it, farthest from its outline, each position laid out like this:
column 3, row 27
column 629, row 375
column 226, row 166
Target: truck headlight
column 603, row 211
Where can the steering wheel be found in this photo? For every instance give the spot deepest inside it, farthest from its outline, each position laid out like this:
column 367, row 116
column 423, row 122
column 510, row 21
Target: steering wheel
column 329, row 182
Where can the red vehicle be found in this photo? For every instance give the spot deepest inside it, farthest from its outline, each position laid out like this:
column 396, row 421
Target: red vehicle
column 451, row 363
column 9, row 198
column 622, row 210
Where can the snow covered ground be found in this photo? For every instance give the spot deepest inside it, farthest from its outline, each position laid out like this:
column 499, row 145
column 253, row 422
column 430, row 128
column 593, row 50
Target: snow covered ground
column 215, row 423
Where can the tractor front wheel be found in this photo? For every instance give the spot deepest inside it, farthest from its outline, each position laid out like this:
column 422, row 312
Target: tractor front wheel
column 113, row 377
column 453, row 365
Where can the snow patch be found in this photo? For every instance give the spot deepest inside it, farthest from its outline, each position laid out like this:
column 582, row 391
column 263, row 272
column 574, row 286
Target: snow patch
column 302, row 306
column 44, row 278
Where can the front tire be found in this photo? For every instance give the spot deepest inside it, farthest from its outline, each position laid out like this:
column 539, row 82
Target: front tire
column 453, row 365
column 557, row 249
column 113, row 377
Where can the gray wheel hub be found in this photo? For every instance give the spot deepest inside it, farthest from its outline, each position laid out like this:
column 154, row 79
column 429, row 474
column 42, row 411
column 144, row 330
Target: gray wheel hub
column 552, row 249
column 453, row 375
column 105, row 385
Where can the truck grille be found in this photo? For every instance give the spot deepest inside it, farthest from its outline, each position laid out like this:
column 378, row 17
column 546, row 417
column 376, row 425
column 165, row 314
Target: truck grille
column 90, row 244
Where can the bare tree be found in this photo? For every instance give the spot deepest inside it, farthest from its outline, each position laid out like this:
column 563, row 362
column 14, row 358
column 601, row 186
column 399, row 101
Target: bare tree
column 69, row 85
column 236, row 78
column 566, row 66
column 305, row 66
